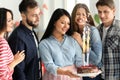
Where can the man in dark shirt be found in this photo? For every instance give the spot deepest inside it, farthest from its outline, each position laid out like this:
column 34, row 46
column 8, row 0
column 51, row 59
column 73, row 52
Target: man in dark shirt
column 24, row 38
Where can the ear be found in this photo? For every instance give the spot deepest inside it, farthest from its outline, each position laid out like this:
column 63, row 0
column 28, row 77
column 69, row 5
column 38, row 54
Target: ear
column 114, row 10
column 23, row 16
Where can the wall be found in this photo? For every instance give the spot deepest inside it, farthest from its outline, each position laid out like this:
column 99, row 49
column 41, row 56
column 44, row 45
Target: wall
column 13, row 5
column 94, row 10
column 48, row 6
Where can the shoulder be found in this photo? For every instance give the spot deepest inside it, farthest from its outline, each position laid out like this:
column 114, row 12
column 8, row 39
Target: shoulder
column 70, row 41
column 3, row 45
column 18, row 33
column 69, row 38
column 44, row 42
column 93, row 29
column 116, row 23
column 2, row 42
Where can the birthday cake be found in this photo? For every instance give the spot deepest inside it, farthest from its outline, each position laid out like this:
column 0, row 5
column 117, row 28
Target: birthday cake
column 87, row 69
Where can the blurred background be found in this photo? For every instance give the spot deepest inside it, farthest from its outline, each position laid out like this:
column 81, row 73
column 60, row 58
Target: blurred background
column 48, row 6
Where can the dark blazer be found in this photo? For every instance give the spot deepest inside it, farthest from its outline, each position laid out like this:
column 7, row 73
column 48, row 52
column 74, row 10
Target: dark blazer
column 22, row 39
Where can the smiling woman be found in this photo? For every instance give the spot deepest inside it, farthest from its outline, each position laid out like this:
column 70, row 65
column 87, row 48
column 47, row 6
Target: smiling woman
column 61, row 62
column 7, row 60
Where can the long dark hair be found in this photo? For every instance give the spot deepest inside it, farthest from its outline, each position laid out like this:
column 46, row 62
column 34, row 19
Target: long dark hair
column 55, row 16
column 3, row 19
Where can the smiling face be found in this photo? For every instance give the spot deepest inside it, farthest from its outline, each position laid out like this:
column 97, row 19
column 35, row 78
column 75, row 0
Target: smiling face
column 106, row 14
column 32, row 16
column 81, row 17
column 9, row 22
column 61, row 25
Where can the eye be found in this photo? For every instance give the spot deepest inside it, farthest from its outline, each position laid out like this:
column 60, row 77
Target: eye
column 9, row 20
column 62, row 22
column 106, row 12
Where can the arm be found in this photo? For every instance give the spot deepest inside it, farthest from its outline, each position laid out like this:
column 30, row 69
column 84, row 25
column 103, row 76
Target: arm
column 17, row 45
column 47, row 58
column 19, row 56
column 96, row 47
column 5, row 71
column 78, row 56
column 7, row 61
column 78, row 38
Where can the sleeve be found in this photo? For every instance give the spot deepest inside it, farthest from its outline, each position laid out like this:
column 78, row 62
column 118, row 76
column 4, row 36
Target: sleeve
column 46, row 57
column 5, row 72
column 96, row 48
column 17, row 44
column 78, row 56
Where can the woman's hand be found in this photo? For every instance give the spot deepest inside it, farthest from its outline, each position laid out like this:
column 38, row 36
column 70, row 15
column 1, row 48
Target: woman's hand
column 70, row 74
column 66, row 72
column 77, row 37
column 19, row 57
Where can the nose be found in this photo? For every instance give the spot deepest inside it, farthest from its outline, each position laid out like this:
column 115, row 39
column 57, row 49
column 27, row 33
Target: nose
column 38, row 17
column 67, row 25
column 12, row 22
column 80, row 16
column 101, row 15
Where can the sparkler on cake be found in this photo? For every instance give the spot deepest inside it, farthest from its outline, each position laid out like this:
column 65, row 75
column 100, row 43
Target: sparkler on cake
column 86, row 45
column 86, row 67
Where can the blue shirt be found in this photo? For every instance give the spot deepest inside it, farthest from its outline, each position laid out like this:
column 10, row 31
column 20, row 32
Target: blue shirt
column 56, row 54
column 96, row 47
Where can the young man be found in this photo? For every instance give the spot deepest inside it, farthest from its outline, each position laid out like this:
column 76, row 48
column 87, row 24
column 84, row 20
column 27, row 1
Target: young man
column 110, row 35
column 24, row 38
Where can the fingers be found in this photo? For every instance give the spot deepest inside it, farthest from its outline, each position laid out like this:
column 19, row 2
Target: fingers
column 21, row 53
column 69, row 73
column 18, row 52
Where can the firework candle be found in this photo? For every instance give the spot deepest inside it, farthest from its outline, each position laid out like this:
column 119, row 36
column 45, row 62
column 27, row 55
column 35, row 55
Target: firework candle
column 86, row 44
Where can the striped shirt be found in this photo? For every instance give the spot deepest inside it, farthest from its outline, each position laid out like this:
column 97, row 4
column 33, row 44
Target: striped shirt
column 6, row 57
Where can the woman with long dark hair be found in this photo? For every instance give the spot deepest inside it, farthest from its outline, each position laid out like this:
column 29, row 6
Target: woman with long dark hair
column 60, row 53
column 7, row 60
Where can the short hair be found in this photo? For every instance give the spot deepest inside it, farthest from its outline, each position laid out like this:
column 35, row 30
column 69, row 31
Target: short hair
column 25, row 4
column 109, row 3
column 3, row 18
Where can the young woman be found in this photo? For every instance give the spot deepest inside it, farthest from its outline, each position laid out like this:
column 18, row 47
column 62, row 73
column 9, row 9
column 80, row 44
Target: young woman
column 7, row 60
column 81, row 17
column 60, row 53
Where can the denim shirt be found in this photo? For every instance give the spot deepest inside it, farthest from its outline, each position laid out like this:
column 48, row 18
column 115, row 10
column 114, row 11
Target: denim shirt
column 56, row 54
column 96, row 47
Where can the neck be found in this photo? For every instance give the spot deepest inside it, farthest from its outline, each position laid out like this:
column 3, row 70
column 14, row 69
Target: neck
column 108, row 24
column 29, row 27
column 2, row 35
column 59, row 37
column 81, row 29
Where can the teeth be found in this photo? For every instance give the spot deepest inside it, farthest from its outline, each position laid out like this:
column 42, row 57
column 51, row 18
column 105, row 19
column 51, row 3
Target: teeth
column 80, row 20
